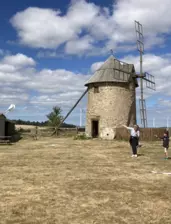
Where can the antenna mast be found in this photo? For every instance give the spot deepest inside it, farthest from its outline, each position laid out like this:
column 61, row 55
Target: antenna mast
column 140, row 46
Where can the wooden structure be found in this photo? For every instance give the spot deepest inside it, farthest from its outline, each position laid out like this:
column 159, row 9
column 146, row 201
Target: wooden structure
column 146, row 134
column 7, row 129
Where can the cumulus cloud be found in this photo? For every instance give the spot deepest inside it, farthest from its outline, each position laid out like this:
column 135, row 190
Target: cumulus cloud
column 11, row 69
column 50, row 54
column 18, row 60
column 64, row 99
column 95, row 66
column 52, row 29
column 81, row 45
column 56, row 81
column 158, row 66
column 22, row 84
column 85, row 25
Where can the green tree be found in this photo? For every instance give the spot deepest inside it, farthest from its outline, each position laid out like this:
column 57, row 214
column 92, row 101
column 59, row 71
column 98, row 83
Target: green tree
column 55, row 118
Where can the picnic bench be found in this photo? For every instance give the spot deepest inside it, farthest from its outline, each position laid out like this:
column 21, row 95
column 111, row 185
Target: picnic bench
column 5, row 139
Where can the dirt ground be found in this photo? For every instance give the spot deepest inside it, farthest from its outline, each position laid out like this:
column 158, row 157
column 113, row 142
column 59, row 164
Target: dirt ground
column 66, row 181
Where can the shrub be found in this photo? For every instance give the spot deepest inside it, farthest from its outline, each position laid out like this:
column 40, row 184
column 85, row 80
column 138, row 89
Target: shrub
column 81, row 137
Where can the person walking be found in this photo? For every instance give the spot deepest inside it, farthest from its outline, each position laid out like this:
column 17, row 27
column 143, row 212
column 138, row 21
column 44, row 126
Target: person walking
column 134, row 138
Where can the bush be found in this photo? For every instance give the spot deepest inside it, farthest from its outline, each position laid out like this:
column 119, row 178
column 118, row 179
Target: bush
column 81, row 137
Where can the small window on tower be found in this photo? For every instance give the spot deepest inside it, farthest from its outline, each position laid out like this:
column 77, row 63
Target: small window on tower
column 96, row 89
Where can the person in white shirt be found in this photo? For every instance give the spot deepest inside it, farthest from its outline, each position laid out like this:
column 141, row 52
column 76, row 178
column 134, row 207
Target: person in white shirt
column 134, row 138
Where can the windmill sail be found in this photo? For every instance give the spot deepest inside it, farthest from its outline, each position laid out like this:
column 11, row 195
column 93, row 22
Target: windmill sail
column 10, row 108
column 150, row 81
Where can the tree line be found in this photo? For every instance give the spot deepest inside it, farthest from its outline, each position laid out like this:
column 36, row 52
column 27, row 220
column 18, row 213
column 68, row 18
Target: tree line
column 53, row 119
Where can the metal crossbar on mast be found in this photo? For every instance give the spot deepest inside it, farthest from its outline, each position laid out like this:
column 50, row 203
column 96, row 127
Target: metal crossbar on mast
column 140, row 47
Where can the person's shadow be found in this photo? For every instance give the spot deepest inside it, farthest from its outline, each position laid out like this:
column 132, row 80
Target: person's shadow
column 140, row 154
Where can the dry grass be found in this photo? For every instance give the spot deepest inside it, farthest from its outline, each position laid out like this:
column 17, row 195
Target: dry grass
column 63, row 181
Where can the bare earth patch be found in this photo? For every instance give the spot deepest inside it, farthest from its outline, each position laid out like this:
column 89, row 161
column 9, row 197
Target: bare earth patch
column 62, row 181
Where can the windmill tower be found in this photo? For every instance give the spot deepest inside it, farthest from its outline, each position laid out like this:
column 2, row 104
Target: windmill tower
column 111, row 98
column 150, row 83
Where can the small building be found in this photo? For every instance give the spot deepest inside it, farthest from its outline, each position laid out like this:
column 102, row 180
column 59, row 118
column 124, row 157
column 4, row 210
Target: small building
column 7, row 127
column 111, row 99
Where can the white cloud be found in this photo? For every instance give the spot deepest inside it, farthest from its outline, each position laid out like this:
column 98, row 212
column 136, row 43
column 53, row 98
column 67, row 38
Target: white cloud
column 48, row 28
column 152, row 14
column 15, row 69
column 56, row 81
column 96, row 66
column 151, row 62
column 18, row 60
column 64, row 99
column 80, row 46
column 52, row 29
column 159, row 67
column 50, row 54
column 14, row 98
column 7, row 68
column 22, row 84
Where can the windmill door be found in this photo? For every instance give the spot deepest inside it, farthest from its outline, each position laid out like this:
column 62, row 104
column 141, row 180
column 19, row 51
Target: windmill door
column 95, row 128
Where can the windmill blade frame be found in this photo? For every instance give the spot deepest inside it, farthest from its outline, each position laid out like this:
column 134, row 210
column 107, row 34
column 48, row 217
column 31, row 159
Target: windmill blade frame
column 150, row 81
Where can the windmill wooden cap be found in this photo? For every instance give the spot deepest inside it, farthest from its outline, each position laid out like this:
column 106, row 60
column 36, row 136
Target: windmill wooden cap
column 113, row 70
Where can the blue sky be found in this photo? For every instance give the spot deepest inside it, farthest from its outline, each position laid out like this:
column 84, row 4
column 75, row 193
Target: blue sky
column 49, row 49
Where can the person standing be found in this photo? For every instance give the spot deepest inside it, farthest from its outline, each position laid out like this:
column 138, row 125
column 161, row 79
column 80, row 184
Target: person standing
column 165, row 139
column 138, row 129
column 134, row 138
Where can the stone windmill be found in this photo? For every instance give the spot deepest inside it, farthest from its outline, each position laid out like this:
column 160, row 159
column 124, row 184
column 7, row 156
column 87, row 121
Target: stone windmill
column 111, row 98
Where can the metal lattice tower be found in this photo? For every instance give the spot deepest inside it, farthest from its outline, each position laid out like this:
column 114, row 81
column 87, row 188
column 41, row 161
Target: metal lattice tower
column 150, row 82
column 140, row 46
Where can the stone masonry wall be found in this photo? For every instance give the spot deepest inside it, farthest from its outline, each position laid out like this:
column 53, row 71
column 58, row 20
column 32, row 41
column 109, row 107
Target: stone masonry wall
column 113, row 106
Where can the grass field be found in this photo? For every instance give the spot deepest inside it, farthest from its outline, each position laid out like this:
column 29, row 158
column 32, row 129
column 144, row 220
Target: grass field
column 62, row 181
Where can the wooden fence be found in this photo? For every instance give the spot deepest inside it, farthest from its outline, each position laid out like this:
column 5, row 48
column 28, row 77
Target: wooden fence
column 146, row 134
column 47, row 132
